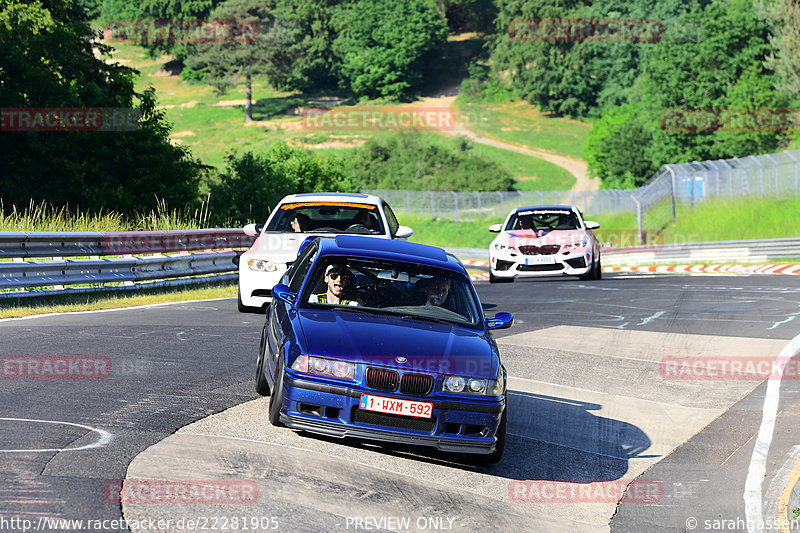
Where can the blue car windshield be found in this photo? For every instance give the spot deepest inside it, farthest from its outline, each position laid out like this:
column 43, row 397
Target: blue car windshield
column 406, row 289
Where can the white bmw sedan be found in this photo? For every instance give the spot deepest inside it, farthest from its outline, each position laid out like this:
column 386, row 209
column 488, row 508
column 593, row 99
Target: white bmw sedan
column 297, row 217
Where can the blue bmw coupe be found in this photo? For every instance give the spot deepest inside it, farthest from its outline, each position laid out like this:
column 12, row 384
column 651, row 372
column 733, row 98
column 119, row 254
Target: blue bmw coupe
column 384, row 340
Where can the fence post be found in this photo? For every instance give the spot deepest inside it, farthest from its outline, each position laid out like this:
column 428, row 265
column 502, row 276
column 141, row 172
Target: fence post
column 638, row 220
column 794, row 162
column 478, row 196
column 408, row 200
column 501, row 200
column 433, row 210
column 760, row 175
column 674, row 213
column 455, row 203
column 730, row 177
column 774, row 164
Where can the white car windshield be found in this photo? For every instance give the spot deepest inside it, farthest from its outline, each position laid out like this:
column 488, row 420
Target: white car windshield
column 543, row 219
column 409, row 290
column 327, row 217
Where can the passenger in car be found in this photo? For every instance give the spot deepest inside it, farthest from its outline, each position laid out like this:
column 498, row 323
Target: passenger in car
column 436, row 291
column 363, row 218
column 301, row 223
column 337, row 279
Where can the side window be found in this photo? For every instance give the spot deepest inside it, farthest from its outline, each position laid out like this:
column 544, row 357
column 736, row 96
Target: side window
column 300, row 267
column 393, row 224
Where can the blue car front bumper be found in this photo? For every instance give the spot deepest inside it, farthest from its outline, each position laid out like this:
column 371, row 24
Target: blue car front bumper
column 455, row 425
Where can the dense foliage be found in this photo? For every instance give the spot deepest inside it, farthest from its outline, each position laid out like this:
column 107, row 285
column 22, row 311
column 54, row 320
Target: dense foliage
column 383, row 44
column 718, row 65
column 49, row 61
column 408, row 162
column 252, row 184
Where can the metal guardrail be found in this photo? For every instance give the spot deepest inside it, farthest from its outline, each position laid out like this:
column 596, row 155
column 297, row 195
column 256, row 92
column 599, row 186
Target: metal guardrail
column 200, row 267
column 754, row 251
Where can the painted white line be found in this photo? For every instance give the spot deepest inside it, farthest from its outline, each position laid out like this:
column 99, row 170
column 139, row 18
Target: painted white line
column 758, row 461
column 104, row 440
column 31, row 317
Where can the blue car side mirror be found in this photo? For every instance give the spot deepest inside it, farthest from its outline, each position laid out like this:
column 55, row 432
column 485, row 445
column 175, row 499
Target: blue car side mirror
column 282, row 293
column 500, row 321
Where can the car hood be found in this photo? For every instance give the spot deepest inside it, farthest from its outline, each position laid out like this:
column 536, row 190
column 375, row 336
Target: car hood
column 287, row 243
column 382, row 339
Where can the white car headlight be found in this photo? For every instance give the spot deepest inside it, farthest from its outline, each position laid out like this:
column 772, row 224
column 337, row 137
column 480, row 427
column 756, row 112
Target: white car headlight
column 476, row 386
column 262, row 265
column 499, row 246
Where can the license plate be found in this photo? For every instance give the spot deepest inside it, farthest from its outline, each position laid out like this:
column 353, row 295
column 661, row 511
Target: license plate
column 379, row 404
column 540, row 260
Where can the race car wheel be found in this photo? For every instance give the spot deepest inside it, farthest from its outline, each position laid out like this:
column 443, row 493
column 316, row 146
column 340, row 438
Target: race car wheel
column 599, row 270
column 276, row 400
column 245, row 308
column 594, row 271
column 500, row 444
column 498, row 279
column 262, row 386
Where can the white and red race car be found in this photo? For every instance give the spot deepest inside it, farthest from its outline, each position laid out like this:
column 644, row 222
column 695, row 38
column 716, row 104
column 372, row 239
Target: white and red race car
column 544, row 241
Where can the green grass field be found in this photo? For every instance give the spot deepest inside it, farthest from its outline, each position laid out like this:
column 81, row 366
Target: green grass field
column 522, row 124
column 210, row 129
column 714, row 220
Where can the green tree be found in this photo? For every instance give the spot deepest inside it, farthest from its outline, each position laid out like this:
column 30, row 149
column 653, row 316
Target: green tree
column 252, row 184
column 136, row 14
column 408, row 161
column 227, row 60
column 577, row 75
column 784, row 60
column 49, row 60
column 383, row 45
column 306, row 60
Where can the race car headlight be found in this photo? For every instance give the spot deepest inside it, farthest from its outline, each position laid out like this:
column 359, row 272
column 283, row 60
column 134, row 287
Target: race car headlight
column 321, row 366
column 262, row 265
column 499, row 246
column 476, row 386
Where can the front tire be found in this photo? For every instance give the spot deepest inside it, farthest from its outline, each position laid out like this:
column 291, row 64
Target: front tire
column 276, row 400
column 245, row 308
column 262, row 386
column 500, row 444
column 498, row 279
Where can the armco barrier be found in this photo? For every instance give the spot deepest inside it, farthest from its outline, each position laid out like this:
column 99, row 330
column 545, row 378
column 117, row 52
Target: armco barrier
column 180, row 266
column 747, row 251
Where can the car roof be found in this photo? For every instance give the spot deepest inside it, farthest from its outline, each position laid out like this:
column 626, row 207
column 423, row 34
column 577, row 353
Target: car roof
column 390, row 250
column 568, row 207
column 332, row 196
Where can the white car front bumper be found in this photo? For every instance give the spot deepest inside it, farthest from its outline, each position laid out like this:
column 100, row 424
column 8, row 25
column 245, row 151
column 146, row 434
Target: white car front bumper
column 505, row 264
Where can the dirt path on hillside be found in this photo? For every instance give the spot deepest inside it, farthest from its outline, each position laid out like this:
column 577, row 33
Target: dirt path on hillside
column 576, row 167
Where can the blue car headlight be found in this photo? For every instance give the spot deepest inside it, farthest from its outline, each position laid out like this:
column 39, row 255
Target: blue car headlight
column 321, row 366
column 475, row 386
column 262, row 265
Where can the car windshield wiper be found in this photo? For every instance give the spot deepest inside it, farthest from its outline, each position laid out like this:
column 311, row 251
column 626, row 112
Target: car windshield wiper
column 425, row 318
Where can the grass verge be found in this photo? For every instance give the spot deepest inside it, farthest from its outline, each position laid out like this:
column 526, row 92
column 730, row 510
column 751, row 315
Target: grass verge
column 12, row 308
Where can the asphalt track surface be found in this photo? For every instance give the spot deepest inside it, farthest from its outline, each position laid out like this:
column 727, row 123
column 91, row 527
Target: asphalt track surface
column 591, row 407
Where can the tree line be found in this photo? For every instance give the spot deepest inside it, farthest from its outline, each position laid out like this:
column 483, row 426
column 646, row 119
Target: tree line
column 711, row 61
